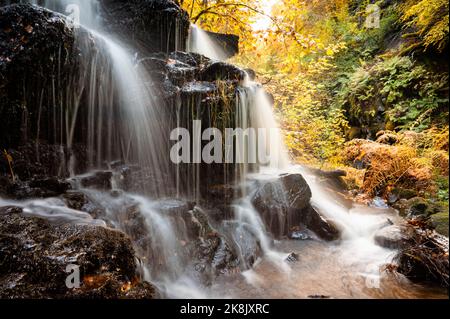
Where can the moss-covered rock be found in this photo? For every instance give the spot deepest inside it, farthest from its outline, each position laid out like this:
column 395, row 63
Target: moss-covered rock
column 35, row 253
column 441, row 223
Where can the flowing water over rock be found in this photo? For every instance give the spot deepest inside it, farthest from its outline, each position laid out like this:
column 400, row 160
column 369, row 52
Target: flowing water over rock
column 199, row 42
column 201, row 231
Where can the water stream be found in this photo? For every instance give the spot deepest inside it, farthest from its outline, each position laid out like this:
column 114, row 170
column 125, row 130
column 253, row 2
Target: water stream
column 338, row 269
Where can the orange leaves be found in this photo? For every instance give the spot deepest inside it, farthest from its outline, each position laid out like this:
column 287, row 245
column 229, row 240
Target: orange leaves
column 28, row 29
column 95, row 281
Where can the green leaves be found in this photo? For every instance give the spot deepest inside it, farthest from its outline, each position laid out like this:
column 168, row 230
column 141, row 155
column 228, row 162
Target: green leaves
column 409, row 93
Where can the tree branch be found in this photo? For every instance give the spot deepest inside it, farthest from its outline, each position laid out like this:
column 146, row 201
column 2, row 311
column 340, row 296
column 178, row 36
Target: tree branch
column 220, row 5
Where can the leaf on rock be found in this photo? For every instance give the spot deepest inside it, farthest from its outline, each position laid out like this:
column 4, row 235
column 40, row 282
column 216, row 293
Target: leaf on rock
column 29, row 29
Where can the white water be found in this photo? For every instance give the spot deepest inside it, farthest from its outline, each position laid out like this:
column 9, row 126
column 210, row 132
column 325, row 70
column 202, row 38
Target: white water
column 139, row 138
column 125, row 121
column 358, row 226
column 200, row 42
column 86, row 11
column 53, row 209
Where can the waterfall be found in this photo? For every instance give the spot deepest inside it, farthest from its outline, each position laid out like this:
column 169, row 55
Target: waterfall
column 84, row 10
column 124, row 120
column 200, row 42
column 255, row 110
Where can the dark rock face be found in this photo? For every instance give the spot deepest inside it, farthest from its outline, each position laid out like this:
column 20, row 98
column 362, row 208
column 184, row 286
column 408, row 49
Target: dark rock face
column 221, row 71
column 34, row 188
column 35, row 47
column 284, row 204
column 153, row 25
column 42, row 159
column 99, row 180
column 35, row 254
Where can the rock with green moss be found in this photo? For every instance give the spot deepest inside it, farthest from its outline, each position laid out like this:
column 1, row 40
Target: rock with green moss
column 440, row 222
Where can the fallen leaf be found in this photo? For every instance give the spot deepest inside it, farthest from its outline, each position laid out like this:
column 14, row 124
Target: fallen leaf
column 29, row 29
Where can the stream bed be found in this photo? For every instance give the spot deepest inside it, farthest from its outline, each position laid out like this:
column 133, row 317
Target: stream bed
column 321, row 271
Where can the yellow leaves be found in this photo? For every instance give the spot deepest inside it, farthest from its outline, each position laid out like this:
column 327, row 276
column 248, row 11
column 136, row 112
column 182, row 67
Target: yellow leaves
column 431, row 18
column 126, row 287
column 95, row 281
column 9, row 159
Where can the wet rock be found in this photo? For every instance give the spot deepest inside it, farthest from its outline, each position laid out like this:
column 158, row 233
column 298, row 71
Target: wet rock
column 301, row 235
column 35, row 254
column 333, row 177
column 401, row 205
column 426, row 258
column 154, row 25
column 392, row 198
column 133, row 223
column 98, row 180
column 251, row 74
column 198, row 87
column 191, row 58
column 31, row 39
column 292, row 258
column 243, row 241
column 283, row 203
column 324, row 228
column 213, row 256
column 378, row 202
column 440, row 223
column 287, row 192
column 416, row 206
column 51, row 184
column 404, row 193
column 10, row 210
column 394, row 237
column 180, row 73
column 81, row 202
column 36, row 188
column 222, row 71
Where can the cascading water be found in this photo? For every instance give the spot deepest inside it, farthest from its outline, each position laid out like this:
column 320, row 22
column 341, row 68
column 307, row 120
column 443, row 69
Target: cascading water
column 124, row 122
column 357, row 225
column 200, row 42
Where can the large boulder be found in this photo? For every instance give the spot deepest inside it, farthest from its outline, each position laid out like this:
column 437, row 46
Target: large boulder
column 394, row 236
column 425, row 257
column 284, row 203
column 35, row 254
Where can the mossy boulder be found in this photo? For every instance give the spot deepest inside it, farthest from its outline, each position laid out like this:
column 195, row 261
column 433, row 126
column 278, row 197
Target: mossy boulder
column 440, row 222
